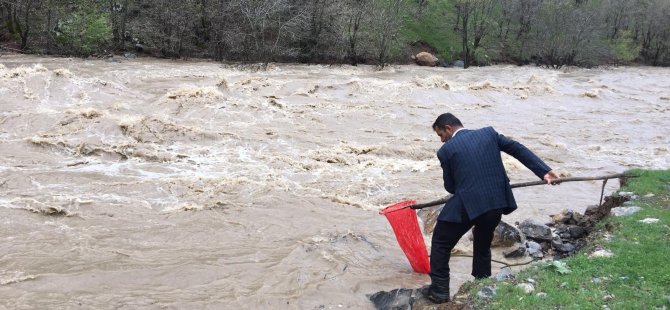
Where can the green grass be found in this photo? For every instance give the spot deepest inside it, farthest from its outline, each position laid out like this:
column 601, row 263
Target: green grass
column 650, row 181
column 435, row 28
column 636, row 277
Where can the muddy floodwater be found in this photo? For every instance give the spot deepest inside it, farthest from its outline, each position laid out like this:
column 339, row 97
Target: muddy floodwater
column 168, row 184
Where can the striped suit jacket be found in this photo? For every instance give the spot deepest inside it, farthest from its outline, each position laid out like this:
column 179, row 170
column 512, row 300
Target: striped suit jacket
column 473, row 172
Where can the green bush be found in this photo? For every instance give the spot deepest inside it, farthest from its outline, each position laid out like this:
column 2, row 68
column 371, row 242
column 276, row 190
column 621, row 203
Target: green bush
column 482, row 57
column 624, row 48
column 84, row 33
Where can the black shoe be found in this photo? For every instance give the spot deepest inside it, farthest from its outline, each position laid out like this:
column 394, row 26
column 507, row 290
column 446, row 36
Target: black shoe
column 436, row 297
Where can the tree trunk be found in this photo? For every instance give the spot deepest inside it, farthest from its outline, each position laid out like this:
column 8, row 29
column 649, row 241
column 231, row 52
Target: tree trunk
column 354, row 24
column 124, row 18
column 48, row 29
column 464, row 37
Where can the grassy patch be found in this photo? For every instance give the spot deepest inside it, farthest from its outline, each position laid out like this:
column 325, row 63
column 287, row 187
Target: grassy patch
column 435, row 27
column 636, row 277
column 656, row 182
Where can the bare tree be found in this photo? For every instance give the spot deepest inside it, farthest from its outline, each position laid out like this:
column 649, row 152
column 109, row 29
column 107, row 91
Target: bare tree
column 317, row 11
column 356, row 11
column 268, row 25
column 552, row 32
column 118, row 16
column 22, row 15
column 386, row 22
column 618, row 14
column 473, row 22
column 655, row 32
column 516, row 20
column 568, row 34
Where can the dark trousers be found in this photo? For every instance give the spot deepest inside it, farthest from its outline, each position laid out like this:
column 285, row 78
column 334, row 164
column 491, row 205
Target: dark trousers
column 447, row 234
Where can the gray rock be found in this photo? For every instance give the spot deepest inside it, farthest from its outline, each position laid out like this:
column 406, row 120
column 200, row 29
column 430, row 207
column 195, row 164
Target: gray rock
column 425, row 59
column 546, row 245
column 506, row 235
column 534, row 249
column 576, row 231
column 129, row 55
column 562, row 247
column 596, row 280
column 541, row 295
column 626, row 194
column 459, row 64
column 577, row 218
column 648, row 195
column 504, row 274
column 399, row 299
column 564, row 217
column 518, row 252
column 486, row 292
column 535, row 230
column 625, row 211
column 526, row 287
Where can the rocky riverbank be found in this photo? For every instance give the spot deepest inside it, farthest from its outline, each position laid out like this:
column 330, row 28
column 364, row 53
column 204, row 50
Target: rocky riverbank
column 563, row 236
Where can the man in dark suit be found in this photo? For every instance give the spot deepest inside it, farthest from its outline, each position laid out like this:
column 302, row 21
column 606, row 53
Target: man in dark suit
column 474, row 173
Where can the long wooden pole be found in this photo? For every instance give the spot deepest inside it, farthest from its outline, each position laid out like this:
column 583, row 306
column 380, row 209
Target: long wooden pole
column 526, row 184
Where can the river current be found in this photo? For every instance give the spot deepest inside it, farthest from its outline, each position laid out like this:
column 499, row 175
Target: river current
column 144, row 183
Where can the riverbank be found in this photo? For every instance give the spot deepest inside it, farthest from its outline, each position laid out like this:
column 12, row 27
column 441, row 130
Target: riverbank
column 633, row 277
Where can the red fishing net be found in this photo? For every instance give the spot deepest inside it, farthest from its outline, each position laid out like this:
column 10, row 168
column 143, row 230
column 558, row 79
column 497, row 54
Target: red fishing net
column 406, row 228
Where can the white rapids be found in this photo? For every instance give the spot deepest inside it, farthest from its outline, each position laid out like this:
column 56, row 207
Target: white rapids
column 180, row 184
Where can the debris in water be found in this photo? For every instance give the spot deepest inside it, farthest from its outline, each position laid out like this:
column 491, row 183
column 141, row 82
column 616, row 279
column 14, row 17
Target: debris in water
column 592, row 94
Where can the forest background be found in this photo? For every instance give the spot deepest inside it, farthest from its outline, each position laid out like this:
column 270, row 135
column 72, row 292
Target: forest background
column 551, row 33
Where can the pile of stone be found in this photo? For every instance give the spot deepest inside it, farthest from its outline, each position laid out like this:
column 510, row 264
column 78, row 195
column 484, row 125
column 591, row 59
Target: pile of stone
column 561, row 237
column 567, row 236
column 570, row 231
column 564, row 235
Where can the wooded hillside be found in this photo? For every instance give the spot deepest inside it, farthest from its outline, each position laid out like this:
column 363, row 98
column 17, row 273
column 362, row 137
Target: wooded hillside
column 479, row 32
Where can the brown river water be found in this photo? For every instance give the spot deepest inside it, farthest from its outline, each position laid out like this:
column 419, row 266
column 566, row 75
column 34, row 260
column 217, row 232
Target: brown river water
column 160, row 184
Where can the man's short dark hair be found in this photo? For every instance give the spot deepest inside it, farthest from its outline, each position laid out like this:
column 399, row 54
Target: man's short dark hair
column 446, row 119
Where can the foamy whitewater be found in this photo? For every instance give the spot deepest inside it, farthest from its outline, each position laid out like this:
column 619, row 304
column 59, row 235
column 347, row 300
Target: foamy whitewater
column 166, row 184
